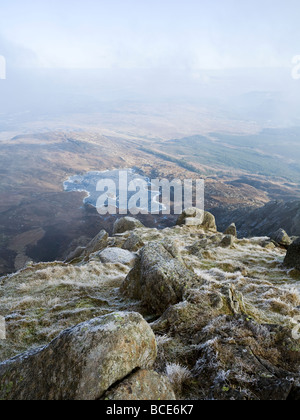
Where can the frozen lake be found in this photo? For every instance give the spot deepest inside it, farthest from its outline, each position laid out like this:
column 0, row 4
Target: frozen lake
column 122, row 179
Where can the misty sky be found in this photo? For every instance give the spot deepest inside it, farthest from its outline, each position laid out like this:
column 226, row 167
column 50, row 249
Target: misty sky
column 193, row 34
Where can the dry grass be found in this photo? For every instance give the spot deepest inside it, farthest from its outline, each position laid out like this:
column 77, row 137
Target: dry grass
column 41, row 301
column 178, row 376
column 213, row 339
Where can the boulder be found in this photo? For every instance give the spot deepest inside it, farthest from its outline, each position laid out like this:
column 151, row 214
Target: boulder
column 231, row 230
column 191, row 217
column 198, row 247
column 292, row 259
column 281, row 237
column 79, row 252
column 143, row 385
column 158, row 279
column 209, row 222
column 134, row 243
column 197, row 217
column 126, row 224
column 83, row 362
column 227, row 241
column 117, row 256
column 269, row 245
column 191, row 221
column 97, row 244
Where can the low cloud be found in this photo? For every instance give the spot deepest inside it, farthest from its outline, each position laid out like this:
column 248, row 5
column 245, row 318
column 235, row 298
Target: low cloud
column 16, row 56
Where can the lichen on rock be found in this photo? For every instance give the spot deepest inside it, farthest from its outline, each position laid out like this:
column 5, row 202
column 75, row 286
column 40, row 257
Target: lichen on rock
column 158, row 279
column 143, row 385
column 224, row 311
column 83, row 362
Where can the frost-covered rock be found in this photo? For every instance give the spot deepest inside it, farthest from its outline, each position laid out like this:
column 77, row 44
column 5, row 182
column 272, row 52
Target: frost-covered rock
column 83, row 362
column 134, row 242
column 281, row 237
column 143, row 385
column 227, row 241
column 228, row 322
column 96, row 244
column 242, row 360
column 209, row 222
column 79, row 252
column 126, row 224
column 117, row 256
column 158, row 279
column 292, row 259
column 231, row 230
column 191, row 217
column 197, row 217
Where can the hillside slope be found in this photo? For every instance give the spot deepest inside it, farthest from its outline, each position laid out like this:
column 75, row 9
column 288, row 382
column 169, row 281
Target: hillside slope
column 223, row 310
column 264, row 220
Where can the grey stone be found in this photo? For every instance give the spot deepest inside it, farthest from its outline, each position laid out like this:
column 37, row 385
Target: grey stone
column 96, row 244
column 227, row 241
column 143, row 385
column 117, row 256
column 79, row 251
column 231, row 230
column 158, row 279
column 134, row 242
column 83, row 362
column 281, row 237
column 197, row 217
column 292, row 259
column 190, row 221
column 126, row 224
column 209, row 222
column 191, row 213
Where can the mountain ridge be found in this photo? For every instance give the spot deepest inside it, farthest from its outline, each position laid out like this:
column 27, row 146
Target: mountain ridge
column 211, row 324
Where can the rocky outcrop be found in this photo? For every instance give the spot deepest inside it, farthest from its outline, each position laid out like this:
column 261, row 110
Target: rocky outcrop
column 209, row 222
column 76, row 254
column 143, row 385
column 191, row 217
column 292, row 259
column 83, row 362
column 231, row 230
column 198, row 218
column 241, row 360
column 231, row 355
column 96, row 244
column 224, row 312
column 134, row 242
column 126, row 224
column 281, row 238
column 158, row 279
column 117, row 256
column 227, row 241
